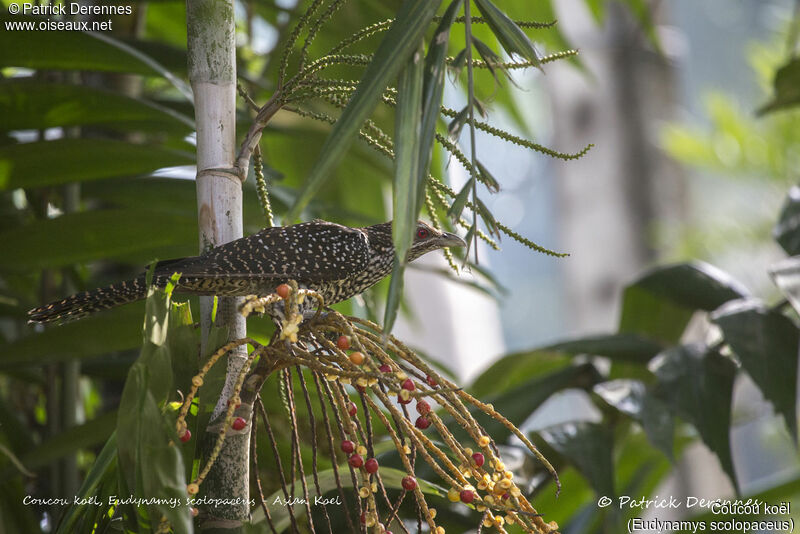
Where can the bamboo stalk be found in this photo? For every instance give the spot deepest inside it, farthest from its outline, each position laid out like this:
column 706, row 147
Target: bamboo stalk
column 212, row 72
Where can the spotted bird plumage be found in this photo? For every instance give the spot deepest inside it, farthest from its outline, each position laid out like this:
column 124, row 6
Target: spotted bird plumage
column 336, row 261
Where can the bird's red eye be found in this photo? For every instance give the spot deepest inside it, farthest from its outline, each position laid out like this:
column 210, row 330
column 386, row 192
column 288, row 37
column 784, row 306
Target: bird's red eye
column 422, row 233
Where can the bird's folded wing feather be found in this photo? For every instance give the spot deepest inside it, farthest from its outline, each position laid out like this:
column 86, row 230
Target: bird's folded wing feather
column 313, row 251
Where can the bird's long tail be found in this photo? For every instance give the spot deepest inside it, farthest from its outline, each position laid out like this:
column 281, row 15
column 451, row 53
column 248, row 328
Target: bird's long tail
column 88, row 302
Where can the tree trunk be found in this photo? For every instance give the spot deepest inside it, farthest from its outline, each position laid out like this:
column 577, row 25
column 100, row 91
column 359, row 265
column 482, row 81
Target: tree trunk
column 212, row 72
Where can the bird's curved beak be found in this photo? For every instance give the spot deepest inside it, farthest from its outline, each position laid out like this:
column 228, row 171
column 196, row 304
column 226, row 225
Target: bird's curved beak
column 451, row 240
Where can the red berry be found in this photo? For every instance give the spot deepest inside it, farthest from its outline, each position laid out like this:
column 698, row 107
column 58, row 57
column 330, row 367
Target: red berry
column 422, row 423
column 239, row 423
column 385, row 368
column 282, row 290
column 186, row 436
column 506, row 496
column 352, row 409
column 408, row 384
column 371, row 465
column 423, row 408
column 343, row 342
column 348, row 446
column 356, row 461
column 401, row 401
column 466, row 496
column 431, row 382
column 478, row 459
column 409, row 483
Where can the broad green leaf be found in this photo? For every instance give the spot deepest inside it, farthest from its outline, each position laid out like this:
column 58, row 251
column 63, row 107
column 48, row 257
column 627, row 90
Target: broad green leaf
column 149, row 462
column 589, row 447
column 433, row 89
column 97, row 235
column 27, row 103
column 397, row 46
column 70, row 441
column 407, row 150
column 114, row 330
column 407, row 188
column 511, row 36
column 787, row 231
column 660, row 303
column 75, row 160
column 514, row 369
column 393, row 297
column 766, row 343
column 102, row 467
column 625, row 347
column 697, row 384
column 519, row 403
column 75, row 50
column 786, row 86
column 632, row 398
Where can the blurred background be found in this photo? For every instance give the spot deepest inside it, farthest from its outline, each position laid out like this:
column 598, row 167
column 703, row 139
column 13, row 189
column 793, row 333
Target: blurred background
column 96, row 161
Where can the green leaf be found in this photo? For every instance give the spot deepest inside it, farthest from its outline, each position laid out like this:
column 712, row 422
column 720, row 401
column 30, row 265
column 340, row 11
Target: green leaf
column 394, row 297
column 75, row 160
column 100, row 471
column 514, row 369
column 766, row 343
column 787, row 230
column 70, row 441
column 632, row 398
column 490, row 181
column 625, row 347
column 33, row 104
column 97, row 235
column 511, row 36
column 149, row 462
column 662, row 301
column 787, row 88
column 406, row 192
column 115, row 330
column 397, row 46
column 519, row 402
column 697, row 384
column 589, row 447
column 460, row 201
column 76, row 50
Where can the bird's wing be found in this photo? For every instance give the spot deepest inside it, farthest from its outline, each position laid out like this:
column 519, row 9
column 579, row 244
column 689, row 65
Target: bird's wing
column 313, row 251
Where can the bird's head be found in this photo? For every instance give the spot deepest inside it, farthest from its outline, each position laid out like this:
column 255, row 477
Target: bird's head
column 426, row 239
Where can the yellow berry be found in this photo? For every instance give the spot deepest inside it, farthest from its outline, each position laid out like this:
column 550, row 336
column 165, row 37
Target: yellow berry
column 439, row 530
column 432, row 512
column 453, row 495
column 483, row 441
column 363, row 492
column 404, row 394
column 192, row 489
column 362, row 450
column 197, row 381
column 468, row 451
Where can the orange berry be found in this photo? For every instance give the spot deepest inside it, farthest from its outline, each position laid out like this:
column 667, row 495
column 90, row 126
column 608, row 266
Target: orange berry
column 357, row 358
column 283, row 291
